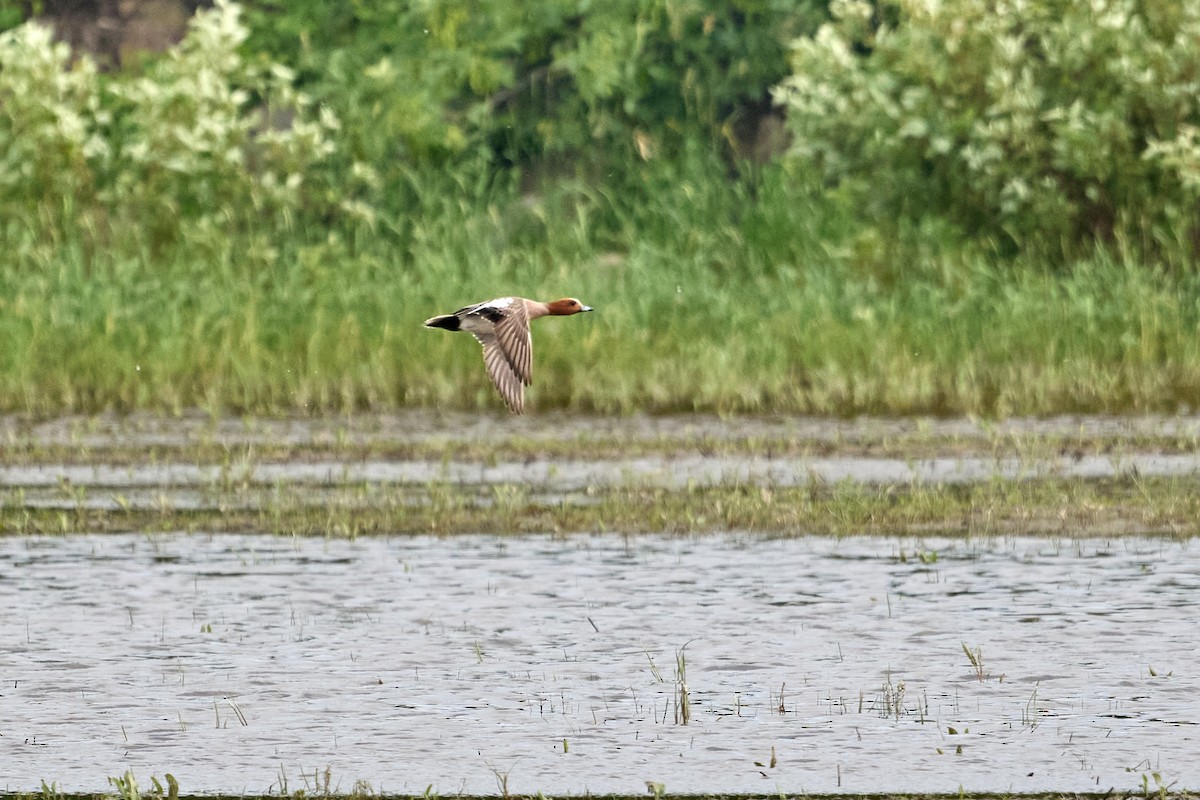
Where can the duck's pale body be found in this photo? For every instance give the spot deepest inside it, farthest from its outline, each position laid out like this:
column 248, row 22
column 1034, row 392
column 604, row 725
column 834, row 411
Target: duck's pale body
column 502, row 327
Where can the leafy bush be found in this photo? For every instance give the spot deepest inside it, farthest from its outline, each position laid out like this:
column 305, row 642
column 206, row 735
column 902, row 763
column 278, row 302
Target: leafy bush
column 49, row 120
column 1046, row 124
column 206, row 133
column 527, row 80
column 203, row 138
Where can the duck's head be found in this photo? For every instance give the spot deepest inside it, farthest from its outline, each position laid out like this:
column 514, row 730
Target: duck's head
column 568, row 305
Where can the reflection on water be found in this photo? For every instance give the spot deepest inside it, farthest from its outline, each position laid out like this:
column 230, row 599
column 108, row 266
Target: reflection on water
column 239, row 663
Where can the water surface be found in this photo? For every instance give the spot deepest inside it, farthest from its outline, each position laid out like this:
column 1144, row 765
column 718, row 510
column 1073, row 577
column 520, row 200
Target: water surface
column 249, row 663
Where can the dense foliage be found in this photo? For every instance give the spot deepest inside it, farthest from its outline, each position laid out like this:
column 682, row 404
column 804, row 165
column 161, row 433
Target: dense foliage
column 973, row 215
column 1048, row 124
column 191, row 145
column 527, row 81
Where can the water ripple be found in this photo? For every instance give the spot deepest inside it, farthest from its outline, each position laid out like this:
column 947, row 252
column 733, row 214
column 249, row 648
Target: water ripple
column 238, row 662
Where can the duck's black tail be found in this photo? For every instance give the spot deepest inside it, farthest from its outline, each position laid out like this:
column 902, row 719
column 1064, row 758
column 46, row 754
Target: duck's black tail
column 447, row 321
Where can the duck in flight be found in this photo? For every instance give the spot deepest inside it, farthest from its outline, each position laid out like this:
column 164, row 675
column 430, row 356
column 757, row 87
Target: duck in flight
column 502, row 327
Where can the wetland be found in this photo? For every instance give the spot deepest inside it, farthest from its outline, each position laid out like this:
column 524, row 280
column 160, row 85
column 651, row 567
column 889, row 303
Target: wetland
column 420, row 472
column 463, row 604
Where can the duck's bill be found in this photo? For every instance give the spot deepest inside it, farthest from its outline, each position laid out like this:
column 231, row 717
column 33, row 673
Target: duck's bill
column 587, row 308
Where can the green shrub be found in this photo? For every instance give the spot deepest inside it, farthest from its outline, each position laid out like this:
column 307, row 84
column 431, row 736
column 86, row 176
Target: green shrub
column 530, row 80
column 207, row 134
column 1043, row 124
column 203, row 139
column 49, row 122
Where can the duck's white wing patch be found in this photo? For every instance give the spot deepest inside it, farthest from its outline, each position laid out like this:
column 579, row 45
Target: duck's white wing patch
column 499, row 368
column 500, row 304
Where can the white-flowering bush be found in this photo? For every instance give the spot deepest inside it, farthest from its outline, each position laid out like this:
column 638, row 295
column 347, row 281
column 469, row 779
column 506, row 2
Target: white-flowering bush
column 206, row 132
column 203, row 135
column 49, row 119
column 1046, row 123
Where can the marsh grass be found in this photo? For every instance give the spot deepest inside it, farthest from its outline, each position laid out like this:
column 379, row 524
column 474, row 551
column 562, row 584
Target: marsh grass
column 1029, row 713
column 682, row 697
column 975, row 657
column 1057, row 507
column 731, row 296
column 501, row 779
column 890, row 701
column 238, row 449
column 127, row 788
column 237, row 461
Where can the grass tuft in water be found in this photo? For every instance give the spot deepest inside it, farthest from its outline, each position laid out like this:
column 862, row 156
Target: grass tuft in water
column 682, row 696
column 976, row 658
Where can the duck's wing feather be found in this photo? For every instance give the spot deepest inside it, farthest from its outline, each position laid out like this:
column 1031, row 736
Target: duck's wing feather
column 480, row 309
column 510, row 324
column 500, row 369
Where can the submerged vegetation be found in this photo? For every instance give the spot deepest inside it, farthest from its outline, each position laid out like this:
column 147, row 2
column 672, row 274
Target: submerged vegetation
column 260, row 218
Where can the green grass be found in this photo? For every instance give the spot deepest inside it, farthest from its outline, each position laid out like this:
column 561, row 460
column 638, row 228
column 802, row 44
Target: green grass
column 556, row 437
column 1142, row 506
column 711, row 294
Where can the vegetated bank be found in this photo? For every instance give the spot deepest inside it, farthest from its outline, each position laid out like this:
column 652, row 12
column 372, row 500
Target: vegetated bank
column 259, row 221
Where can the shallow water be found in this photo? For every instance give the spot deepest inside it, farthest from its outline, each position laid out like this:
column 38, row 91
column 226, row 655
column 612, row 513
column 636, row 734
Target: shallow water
column 570, row 475
column 240, row 662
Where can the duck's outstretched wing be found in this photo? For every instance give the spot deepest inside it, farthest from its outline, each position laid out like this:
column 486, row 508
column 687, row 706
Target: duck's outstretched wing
column 506, row 380
column 507, row 347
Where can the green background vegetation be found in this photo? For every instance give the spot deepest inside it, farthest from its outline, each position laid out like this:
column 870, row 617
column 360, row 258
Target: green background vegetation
column 836, row 208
